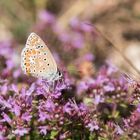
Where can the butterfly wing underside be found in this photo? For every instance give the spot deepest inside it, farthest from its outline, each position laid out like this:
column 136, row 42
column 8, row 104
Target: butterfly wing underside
column 37, row 59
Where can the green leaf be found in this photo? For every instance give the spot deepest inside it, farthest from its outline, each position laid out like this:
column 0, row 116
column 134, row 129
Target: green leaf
column 53, row 134
column 88, row 101
column 92, row 136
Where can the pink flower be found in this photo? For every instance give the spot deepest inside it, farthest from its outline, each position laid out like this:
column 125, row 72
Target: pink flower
column 109, row 87
column 119, row 130
column 92, row 126
column 46, row 17
column 43, row 129
column 21, row 131
column 6, row 118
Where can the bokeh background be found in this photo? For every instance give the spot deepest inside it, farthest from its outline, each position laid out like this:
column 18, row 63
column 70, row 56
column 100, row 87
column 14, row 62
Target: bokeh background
column 68, row 28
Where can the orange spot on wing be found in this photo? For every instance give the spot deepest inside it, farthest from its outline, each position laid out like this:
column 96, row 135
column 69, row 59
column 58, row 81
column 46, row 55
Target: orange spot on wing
column 27, row 68
column 33, row 52
column 33, row 41
column 27, row 59
column 28, row 71
column 27, row 64
column 28, row 54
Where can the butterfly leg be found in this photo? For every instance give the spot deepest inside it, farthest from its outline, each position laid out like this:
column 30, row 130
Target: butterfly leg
column 51, row 86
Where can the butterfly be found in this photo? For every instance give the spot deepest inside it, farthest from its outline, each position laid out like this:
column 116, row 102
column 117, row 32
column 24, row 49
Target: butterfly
column 37, row 60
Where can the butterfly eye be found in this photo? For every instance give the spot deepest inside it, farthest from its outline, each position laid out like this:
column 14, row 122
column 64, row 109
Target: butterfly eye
column 59, row 73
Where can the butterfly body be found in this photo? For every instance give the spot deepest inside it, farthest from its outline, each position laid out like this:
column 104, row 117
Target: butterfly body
column 37, row 60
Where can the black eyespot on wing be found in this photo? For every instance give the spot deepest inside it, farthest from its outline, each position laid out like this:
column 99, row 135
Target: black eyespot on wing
column 45, row 59
column 48, row 64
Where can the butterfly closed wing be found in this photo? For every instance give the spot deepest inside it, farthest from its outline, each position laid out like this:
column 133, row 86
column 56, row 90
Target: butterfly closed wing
column 37, row 60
